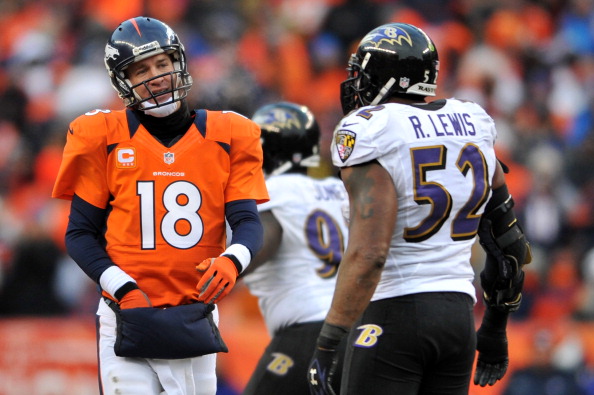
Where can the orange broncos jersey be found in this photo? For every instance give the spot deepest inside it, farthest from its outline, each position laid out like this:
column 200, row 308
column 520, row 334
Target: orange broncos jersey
column 166, row 206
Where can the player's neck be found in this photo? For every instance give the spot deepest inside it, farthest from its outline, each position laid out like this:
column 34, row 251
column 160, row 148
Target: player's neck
column 407, row 99
column 170, row 128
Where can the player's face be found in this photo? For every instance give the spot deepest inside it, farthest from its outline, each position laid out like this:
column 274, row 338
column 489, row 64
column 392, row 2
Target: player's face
column 147, row 70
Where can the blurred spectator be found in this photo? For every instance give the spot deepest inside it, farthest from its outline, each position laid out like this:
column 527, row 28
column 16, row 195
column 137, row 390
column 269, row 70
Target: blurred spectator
column 550, row 198
column 349, row 21
column 491, row 78
column 575, row 27
column 542, row 376
column 559, row 294
column 585, row 309
column 28, row 287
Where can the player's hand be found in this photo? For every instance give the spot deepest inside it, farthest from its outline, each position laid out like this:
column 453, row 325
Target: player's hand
column 133, row 299
column 493, row 356
column 325, row 359
column 321, row 371
column 218, row 278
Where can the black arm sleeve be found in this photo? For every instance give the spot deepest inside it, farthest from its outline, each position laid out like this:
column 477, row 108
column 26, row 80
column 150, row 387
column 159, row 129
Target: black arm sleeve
column 84, row 238
column 244, row 221
column 507, row 250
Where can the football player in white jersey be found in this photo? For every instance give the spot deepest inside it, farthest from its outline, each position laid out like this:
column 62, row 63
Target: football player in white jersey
column 423, row 182
column 305, row 234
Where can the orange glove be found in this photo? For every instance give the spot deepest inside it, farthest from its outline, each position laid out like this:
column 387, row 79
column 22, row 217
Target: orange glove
column 134, row 298
column 219, row 276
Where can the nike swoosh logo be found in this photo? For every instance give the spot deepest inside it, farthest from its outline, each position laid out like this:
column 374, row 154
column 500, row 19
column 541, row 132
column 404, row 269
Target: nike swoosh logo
column 344, row 125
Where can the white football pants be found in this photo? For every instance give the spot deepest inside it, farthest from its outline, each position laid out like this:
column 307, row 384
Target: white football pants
column 140, row 376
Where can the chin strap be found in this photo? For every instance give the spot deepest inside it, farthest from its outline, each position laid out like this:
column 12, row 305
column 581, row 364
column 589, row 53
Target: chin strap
column 282, row 168
column 161, row 111
column 310, row 161
column 383, row 92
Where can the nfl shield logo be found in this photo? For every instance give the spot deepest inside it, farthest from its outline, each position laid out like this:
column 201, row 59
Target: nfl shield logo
column 404, row 82
column 169, row 157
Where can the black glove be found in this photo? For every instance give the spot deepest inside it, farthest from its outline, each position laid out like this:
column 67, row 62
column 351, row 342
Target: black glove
column 492, row 347
column 321, row 370
column 325, row 359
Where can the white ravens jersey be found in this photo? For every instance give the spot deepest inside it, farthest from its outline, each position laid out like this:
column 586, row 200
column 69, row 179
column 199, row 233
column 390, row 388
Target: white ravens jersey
column 441, row 159
column 297, row 285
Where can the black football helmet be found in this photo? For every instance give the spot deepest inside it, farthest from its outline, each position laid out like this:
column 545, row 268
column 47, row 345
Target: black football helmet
column 290, row 137
column 137, row 39
column 396, row 58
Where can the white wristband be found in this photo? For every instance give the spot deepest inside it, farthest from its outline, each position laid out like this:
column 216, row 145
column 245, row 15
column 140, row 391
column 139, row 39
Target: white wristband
column 241, row 252
column 113, row 278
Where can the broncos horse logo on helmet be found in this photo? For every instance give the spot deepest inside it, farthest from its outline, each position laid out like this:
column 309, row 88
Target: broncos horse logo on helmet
column 393, row 59
column 137, row 39
column 290, row 137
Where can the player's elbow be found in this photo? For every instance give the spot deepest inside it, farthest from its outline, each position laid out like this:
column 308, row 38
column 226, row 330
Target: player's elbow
column 377, row 260
column 372, row 256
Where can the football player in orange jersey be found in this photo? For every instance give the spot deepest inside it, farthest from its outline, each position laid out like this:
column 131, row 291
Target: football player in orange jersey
column 151, row 187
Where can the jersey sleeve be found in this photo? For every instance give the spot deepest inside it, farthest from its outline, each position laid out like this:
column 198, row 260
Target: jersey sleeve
column 279, row 188
column 246, row 179
column 358, row 137
column 83, row 168
column 486, row 120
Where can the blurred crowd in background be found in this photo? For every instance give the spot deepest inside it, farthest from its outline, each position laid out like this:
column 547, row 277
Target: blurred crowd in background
column 530, row 64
